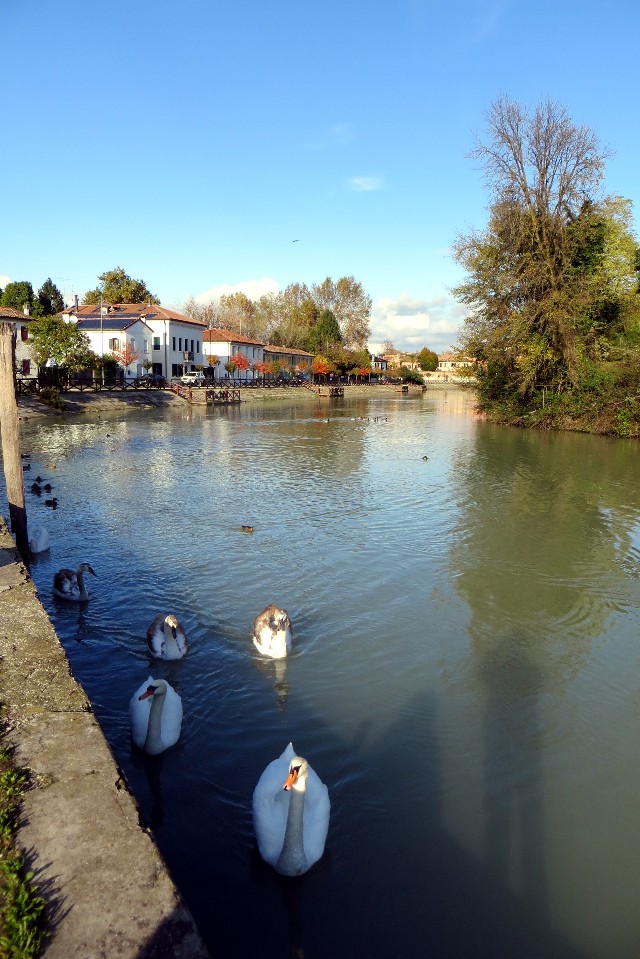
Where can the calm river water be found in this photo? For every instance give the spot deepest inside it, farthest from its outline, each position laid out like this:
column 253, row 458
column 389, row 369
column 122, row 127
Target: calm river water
column 465, row 676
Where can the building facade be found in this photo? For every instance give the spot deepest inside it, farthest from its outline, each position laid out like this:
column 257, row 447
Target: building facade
column 170, row 342
column 21, row 321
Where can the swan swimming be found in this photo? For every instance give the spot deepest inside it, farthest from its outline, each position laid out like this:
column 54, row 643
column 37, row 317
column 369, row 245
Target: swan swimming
column 272, row 632
column 69, row 584
column 39, row 539
column 155, row 714
column 290, row 814
column 166, row 638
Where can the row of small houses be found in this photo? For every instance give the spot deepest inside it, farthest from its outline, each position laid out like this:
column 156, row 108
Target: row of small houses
column 162, row 341
column 170, row 344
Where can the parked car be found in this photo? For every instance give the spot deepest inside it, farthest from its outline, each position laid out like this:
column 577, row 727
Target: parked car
column 149, row 379
column 194, row 378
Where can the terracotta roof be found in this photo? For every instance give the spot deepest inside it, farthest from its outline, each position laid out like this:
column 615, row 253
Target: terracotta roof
column 9, row 313
column 288, row 349
column 131, row 311
column 220, row 335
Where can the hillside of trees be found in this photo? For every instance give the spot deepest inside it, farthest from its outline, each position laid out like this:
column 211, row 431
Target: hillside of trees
column 552, row 282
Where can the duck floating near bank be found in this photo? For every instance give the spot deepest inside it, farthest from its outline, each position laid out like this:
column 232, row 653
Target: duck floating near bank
column 155, row 715
column 290, row 814
column 166, row 637
column 272, row 633
column 69, row 584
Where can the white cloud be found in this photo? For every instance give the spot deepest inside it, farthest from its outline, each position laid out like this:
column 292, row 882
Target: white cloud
column 4, row 280
column 254, row 289
column 365, row 184
column 411, row 324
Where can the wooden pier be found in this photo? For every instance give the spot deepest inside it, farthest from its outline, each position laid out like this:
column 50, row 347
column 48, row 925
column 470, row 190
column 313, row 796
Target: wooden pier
column 214, row 396
column 331, row 391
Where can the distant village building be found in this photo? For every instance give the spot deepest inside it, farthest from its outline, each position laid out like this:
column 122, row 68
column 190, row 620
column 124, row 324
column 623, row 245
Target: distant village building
column 169, row 341
column 398, row 359
column 379, row 363
column 454, row 363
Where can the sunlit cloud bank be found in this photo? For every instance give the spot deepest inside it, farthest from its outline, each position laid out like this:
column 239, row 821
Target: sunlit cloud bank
column 411, row 324
column 254, row 289
column 4, row 280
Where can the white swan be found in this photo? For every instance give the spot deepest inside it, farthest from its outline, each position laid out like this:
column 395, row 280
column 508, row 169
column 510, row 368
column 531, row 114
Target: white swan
column 166, row 637
column 39, row 539
column 69, row 584
column 272, row 633
column 290, row 814
column 155, row 714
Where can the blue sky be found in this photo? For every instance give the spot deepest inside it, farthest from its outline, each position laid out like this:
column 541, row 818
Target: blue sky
column 191, row 141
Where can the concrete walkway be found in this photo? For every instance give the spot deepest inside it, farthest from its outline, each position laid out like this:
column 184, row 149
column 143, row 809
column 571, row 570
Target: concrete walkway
column 108, row 889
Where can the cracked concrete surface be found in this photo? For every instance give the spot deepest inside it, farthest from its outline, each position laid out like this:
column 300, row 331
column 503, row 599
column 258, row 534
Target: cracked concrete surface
column 108, row 889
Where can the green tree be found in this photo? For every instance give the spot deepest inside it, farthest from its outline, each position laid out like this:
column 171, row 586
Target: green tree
column 411, row 376
column 18, row 295
column 535, row 275
column 53, row 339
column 427, row 359
column 350, row 305
column 50, row 298
column 324, row 333
column 118, row 287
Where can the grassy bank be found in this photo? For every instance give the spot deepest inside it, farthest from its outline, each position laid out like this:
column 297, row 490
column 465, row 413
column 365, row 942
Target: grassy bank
column 607, row 404
column 22, row 909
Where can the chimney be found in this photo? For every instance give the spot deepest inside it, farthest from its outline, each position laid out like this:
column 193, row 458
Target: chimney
column 25, row 309
column 76, row 302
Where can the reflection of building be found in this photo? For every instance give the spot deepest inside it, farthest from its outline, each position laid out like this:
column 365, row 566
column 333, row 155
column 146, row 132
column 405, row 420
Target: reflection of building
column 171, row 342
column 20, row 319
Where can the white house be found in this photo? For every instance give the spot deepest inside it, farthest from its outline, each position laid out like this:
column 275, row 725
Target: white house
column 169, row 341
column 454, row 363
column 289, row 358
column 225, row 344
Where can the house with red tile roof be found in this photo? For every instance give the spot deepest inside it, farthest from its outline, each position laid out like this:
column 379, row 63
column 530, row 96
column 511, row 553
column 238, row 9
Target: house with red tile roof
column 170, row 342
column 289, row 357
column 225, row 344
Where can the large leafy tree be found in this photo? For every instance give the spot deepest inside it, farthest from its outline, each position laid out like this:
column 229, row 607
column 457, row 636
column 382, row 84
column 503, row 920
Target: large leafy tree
column 63, row 343
column 350, row 305
column 427, row 359
column 118, row 287
column 18, row 295
column 536, row 274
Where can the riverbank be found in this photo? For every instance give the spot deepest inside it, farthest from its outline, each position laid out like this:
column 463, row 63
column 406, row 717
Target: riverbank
column 107, row 889
column 30, row 407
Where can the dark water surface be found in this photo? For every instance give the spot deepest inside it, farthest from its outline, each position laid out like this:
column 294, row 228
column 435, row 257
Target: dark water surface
column 465, row 675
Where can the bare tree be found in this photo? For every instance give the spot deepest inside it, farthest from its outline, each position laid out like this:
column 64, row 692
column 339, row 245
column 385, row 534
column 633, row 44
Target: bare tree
column 522, row 287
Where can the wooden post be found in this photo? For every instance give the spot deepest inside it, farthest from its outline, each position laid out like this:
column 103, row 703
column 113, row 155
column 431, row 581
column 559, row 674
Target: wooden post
column 9, row 426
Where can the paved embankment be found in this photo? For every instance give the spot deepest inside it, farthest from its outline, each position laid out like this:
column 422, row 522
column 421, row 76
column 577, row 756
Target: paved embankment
column 109, row 892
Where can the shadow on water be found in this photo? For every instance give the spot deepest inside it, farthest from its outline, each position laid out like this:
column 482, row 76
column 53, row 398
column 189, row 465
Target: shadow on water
column 394, row 879
column 381, row 890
